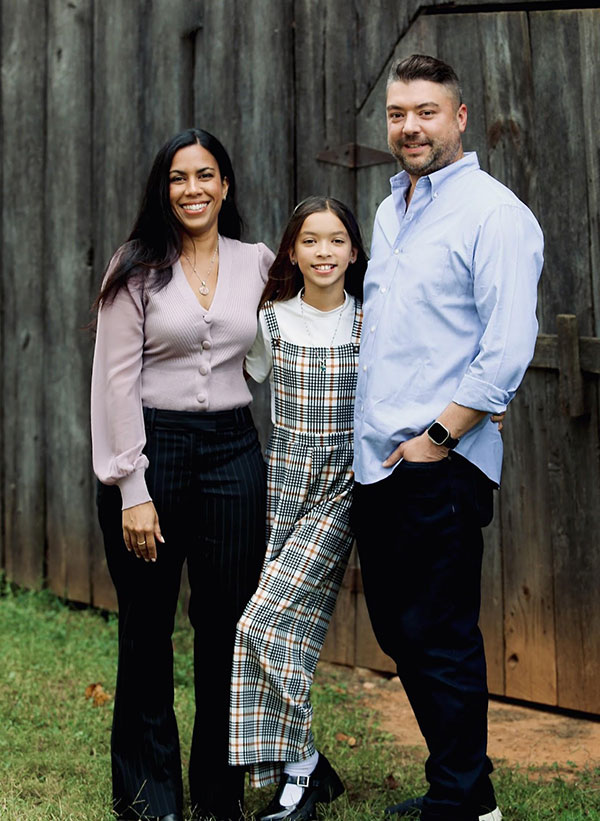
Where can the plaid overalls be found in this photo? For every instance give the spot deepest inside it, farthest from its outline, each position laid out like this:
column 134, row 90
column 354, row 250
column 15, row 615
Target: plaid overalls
column 281, row 632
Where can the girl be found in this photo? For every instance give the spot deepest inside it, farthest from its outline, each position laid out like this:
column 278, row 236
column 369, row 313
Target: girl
column 309, row 331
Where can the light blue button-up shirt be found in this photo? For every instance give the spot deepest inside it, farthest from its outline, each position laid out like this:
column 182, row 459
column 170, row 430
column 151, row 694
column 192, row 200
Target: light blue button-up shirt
column 449, row 312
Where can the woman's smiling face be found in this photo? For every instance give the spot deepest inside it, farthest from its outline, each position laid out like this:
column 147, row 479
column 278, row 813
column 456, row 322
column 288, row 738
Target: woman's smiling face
column 196, row 189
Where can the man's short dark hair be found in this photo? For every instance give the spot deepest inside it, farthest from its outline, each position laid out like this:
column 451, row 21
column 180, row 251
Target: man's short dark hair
column 424, row 67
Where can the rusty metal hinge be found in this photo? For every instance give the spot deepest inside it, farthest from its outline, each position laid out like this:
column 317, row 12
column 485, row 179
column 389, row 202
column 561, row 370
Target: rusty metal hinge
column 352, row 155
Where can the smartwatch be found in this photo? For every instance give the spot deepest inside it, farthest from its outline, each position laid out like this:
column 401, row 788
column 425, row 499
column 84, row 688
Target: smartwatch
column 440, row 435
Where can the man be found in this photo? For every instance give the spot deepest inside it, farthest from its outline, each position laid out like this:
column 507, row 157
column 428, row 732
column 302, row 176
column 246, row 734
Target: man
column 448, row 332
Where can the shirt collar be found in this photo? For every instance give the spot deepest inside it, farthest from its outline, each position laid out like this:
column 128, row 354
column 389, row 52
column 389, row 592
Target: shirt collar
column 400, row 183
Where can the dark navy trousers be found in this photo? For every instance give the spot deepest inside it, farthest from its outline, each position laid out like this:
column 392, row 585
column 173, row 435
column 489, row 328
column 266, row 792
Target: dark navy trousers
column 207, row 480
column 420, row 545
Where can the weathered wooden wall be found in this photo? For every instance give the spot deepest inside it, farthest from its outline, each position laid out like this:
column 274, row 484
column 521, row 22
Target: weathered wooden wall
column 90, row 90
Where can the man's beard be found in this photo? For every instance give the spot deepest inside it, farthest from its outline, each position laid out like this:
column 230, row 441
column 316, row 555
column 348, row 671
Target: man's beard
column 440, row 155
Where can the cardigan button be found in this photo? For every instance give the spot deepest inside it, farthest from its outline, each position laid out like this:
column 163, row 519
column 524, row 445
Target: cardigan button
column 207, row 344
column 201, row 398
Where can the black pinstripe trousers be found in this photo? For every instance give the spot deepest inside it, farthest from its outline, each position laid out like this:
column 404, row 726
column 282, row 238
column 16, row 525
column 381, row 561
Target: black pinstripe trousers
column 207, row 480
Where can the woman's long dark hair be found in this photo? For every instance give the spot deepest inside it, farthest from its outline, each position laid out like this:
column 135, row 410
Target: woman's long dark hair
column 285, row 279
column 156, row 240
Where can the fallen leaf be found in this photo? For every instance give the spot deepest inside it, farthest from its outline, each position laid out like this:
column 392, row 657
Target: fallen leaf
column 341, row 737
column 352, row 741
column 97, row 693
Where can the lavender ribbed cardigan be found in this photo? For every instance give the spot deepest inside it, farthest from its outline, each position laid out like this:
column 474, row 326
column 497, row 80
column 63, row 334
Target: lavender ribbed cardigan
column 164, row 350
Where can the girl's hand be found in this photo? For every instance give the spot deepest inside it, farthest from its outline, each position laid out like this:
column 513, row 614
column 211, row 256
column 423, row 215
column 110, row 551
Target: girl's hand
column 499, row 418
column 141, row 530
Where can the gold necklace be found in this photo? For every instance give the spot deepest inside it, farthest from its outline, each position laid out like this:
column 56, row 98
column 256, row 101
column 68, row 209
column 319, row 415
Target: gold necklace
column 203, row 289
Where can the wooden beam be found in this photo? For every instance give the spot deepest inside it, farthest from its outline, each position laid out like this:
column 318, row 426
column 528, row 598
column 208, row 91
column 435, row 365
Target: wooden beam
column 570, row 378
column 547, row 356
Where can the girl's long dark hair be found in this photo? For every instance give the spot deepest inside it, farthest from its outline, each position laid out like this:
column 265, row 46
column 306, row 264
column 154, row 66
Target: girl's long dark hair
column 156, row 240
column 285, row 279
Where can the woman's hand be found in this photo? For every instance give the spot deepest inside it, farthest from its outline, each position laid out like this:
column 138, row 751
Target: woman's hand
column 141, row 530
column 498, row 418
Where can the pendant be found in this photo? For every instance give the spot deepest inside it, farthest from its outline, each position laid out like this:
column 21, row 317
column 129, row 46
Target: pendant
column 322, row 365
column 203, row 290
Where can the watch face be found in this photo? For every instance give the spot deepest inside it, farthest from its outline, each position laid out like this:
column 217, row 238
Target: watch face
column 438, row 433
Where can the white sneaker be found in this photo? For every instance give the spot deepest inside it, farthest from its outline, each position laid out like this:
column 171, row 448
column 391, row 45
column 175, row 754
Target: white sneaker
column 494, row 815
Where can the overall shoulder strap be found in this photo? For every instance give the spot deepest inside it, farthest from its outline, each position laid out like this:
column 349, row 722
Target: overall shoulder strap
column 357, row 325
column 271, row 320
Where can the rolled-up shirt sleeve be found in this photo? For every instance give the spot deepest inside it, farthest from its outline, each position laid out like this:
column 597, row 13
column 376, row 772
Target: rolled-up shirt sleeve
column 507, row 263
column 118, row 433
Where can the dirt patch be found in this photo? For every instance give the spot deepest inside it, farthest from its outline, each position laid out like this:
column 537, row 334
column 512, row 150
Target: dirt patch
column 517, row 735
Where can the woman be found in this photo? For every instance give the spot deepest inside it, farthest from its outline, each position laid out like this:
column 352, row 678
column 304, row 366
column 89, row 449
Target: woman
column 174, row 446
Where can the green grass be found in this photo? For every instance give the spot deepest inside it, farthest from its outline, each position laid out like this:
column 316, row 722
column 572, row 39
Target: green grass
column 54, row 744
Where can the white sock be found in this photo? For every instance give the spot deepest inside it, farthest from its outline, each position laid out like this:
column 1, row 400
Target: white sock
column 292, row 793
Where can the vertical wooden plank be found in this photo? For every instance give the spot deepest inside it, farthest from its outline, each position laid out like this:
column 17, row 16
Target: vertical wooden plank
column 527, row 548
column 69, row 289
column 491, row 620
column 119, row 166
column 380, row 25
column 168, row 103
column 119, row 162
column 23, row 272
column 339, row 646
column 324, row 50
column 373, row 182
column 589, row 44
column 244, row 95
column 569, row 285
column 507, row 104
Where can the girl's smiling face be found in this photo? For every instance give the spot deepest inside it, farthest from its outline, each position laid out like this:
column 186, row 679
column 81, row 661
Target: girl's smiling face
column 323, row 251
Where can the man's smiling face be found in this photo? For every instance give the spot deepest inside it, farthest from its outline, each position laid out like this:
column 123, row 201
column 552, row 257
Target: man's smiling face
column 425, row 122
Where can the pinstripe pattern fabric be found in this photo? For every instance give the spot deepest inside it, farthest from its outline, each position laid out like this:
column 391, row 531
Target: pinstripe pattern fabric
column 207, row 480
column 309, row 483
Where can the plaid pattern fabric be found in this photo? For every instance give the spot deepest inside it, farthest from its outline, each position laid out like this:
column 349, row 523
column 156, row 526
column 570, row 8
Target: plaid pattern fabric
column 281, row 632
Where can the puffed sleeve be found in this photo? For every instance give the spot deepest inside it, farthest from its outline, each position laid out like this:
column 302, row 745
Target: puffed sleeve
column 266, row 257
column 118, row 433
column 259, row 359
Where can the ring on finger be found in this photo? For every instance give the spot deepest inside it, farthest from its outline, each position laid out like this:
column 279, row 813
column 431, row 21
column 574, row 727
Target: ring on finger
column 140, row 543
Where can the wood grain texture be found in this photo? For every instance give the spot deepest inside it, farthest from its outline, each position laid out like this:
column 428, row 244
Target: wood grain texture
column 491, row 620
column 23, row 75
column 569, row 286
column 69, row 292
column 373, row 183
column 340, row 643
column 529, row 617
column 244, row 94
column 324, row 49
column 507, row 102
column 368, row 653
column 119, row 166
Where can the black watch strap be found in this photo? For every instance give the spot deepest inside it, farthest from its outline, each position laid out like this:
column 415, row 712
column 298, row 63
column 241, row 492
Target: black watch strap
column 440, row 435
